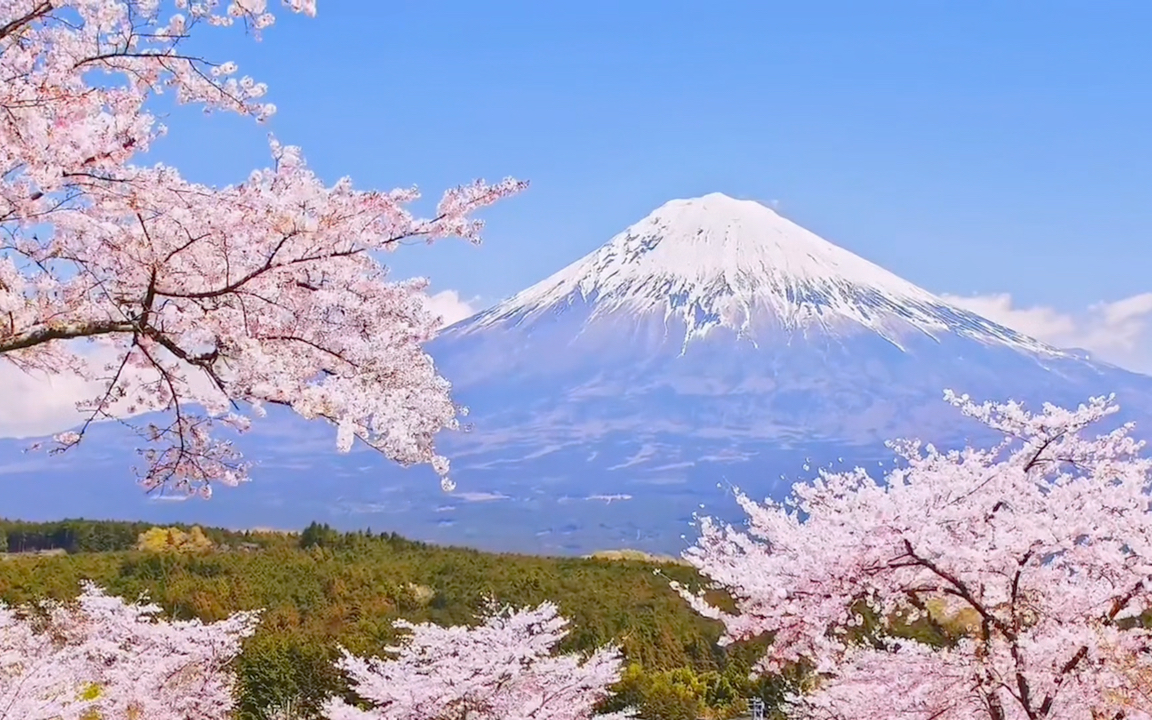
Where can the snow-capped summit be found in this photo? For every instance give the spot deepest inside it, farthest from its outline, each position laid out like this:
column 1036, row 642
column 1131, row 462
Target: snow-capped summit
column 717, row 343
column 718, row 262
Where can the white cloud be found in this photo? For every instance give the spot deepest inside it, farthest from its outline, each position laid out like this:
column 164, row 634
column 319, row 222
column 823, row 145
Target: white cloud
column 1118, row 332
column 450, row 307
column 1042, row 323
column 35, row 404
column 609, row 498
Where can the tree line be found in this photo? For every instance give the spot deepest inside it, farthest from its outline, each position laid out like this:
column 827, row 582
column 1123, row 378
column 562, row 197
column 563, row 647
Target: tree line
column 79, row 535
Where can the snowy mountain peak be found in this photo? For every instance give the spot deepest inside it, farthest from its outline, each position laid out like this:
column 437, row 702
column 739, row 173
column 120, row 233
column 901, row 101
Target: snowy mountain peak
column 738, row 243
column 718, row 262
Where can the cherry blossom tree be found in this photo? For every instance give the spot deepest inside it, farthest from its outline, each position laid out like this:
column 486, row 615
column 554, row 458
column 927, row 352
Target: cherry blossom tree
column 1031, row 559
column 503, row 669
column 206, row 303
column 101, row 657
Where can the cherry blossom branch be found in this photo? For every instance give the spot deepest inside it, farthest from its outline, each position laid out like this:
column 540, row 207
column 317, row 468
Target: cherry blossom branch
column 499, row 669
column 41, row 336
column 143, row 665
column 212, row 299
column 958, row 588
column 35, row 13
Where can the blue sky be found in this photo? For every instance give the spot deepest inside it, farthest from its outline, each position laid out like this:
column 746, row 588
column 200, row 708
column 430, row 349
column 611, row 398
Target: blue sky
column 973, row 148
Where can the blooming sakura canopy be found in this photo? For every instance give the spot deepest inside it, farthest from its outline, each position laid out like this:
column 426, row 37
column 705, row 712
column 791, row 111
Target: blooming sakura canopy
column 118, row 660
column 206, row 303
column 502, row 669
column 1034, row 555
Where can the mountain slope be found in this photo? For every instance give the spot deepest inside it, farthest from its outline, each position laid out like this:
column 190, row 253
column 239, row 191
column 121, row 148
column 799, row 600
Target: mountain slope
column 713, row 343
column 717, row 342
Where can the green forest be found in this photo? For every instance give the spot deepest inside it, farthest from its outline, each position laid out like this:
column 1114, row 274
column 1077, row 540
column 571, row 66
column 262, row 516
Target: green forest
column 321, row 589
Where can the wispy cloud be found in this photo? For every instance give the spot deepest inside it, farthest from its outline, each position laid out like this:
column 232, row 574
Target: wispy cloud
column 369, row 508
column 169, row 498
column 473, row 497
column 1118, row 332
column 451, row 307
column 609, row 498
column 38, row 403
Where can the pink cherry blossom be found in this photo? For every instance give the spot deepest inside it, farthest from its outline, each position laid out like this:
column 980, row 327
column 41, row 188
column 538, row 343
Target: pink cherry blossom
column 102, row 657
column 1040, row 545
column 503, row 669
column 200, row 301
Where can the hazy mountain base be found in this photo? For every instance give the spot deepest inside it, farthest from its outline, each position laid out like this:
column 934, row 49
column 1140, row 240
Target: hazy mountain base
column 553, row 491
column 561, row 502
column 671, row 430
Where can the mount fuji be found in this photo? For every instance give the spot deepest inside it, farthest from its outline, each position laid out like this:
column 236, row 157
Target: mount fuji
column 712, row 344
column 716, row 342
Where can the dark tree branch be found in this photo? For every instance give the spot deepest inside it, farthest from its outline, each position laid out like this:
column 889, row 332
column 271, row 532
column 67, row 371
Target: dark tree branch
column 34, row 14
column 62, row 331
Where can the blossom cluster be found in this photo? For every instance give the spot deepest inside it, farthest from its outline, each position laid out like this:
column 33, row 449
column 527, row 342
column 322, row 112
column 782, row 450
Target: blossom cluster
column 502, row 669
column 1041, row 545
column 102, row 657
column 205, row 303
